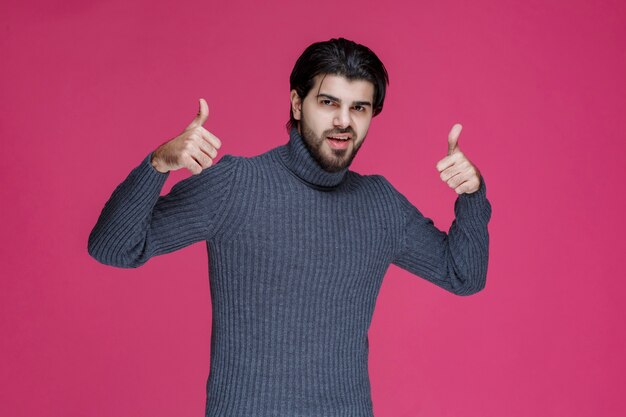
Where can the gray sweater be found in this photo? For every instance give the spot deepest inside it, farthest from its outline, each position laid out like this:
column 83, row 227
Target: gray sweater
column 297, row 256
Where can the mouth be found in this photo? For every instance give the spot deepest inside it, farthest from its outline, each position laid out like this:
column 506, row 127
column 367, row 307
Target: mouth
column 339, row 141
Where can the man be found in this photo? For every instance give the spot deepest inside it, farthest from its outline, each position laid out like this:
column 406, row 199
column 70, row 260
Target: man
column 298, row 244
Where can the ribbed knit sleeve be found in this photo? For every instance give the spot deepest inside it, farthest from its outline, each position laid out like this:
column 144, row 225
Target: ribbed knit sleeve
column 137, row 223
column 457, row 260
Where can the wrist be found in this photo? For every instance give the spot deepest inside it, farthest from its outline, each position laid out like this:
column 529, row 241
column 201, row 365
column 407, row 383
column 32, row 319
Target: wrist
column 156, row 163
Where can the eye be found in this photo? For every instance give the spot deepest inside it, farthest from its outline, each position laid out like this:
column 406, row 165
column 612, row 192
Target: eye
column 359, row 108
column 326, row 102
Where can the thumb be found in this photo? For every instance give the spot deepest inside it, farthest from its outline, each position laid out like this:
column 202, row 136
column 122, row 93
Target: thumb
column 203, row 114
column 453, row 138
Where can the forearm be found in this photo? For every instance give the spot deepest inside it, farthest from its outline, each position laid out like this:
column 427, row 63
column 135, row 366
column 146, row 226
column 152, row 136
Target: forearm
column 118, row 238
column 455, row 261
column 468, row 243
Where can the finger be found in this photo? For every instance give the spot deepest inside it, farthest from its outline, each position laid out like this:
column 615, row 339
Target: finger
column 202, row 116
column 453, row 138
column 201, row 151
column 458, row 165
column 456, row 180
column 457, row 158
column 195, row 144
column 464, row 187
column 445, row 163
column 207, row 149
column 202, row 159
column 192, row 165
column 446, row 174
column 211, row 138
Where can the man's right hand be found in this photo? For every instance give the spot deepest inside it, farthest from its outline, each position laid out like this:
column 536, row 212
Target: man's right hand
column 194, row 149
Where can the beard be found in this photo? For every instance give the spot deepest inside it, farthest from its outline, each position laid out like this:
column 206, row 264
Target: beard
column 339, row 158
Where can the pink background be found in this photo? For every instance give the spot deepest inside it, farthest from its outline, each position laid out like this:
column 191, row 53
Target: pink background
column 90, row 88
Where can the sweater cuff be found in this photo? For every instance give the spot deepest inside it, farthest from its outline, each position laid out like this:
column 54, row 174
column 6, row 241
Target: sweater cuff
column 148, row 161
column 148, row 174
column 145, row 177
column 474, row 206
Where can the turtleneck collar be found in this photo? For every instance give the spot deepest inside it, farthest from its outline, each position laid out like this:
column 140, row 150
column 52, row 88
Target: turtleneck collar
column 297, row 159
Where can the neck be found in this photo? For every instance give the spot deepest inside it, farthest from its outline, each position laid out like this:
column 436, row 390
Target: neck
column 298, row 159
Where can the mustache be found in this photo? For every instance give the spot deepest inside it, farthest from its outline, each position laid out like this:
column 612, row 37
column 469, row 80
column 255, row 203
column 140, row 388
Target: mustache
column 338, row 131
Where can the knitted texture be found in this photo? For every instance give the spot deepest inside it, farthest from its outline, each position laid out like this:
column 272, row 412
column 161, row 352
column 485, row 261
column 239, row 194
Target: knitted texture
column 297, row 256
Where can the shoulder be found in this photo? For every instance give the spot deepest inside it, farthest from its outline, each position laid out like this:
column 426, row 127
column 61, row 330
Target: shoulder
column 242, row 171
column 227, row 165
column 229, row 160
column 375, row 182
column 379, row 189
column 251, row 161
column 387, row 191
column 218, row 176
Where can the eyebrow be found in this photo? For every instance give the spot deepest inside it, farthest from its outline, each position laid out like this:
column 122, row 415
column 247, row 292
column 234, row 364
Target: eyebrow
column 335, row 99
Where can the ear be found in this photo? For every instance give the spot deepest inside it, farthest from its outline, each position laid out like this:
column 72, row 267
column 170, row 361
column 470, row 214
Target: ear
column 296, row 105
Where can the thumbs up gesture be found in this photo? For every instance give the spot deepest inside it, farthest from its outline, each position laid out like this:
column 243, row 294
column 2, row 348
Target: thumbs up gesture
column 455, row 169
column 194, row 149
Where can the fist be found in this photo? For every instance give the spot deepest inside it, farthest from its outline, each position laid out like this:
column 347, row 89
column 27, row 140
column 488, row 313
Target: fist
column 455, row 169
column 194, row 149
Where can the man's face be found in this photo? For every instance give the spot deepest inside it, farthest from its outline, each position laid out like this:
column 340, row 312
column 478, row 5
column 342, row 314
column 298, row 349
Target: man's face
column 334, row 118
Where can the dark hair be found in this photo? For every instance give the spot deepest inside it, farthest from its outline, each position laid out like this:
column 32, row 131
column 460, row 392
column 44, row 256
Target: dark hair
column 338, row 57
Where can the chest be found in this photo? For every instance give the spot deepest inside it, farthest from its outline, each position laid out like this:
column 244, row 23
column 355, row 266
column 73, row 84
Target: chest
column 304, row 229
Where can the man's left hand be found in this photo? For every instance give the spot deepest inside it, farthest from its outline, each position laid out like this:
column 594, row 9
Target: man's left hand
column 455, row 169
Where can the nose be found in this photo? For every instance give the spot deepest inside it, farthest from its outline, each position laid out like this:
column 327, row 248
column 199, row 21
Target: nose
column 342, row 118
